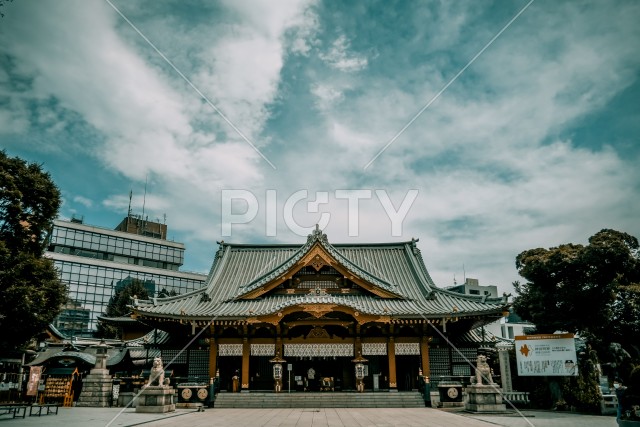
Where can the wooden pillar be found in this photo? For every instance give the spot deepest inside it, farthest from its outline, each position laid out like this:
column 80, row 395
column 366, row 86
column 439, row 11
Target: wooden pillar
column 279, row 340
column 357, row 342
column 391, row 351
column 424, row 353
column 213, row 357
column 246, row 350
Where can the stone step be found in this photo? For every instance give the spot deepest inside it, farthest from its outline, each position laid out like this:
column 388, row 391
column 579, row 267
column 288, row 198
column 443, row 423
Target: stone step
column 319, row 400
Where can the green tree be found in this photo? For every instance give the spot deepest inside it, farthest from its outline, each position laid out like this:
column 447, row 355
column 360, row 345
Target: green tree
column 2, row 3
column 625, row 327
column 583, row 289
column 165, row 294
column 32, row 293
column 117, row 306
column 582, row 391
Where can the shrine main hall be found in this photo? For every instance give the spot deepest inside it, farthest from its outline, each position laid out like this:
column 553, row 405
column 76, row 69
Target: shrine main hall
column 317, row 310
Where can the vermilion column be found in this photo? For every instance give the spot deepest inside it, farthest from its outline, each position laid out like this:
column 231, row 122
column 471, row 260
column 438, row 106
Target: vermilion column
column 391, row 350
column 213, row 357
column 246, row 350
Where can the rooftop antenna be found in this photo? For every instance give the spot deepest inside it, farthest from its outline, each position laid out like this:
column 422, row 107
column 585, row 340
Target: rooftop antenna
column 126, row 228
column 464, row 274
column 165, row 228
column 454, row 279
column 144, row 201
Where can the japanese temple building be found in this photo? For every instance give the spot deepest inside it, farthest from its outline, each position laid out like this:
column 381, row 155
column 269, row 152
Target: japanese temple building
column 318, row 306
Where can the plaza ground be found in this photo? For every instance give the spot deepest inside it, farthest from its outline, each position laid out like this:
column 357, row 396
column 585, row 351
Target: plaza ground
column 290, row 417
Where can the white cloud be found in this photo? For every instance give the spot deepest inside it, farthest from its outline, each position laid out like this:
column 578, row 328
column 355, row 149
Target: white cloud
column 84, row 201
column 494, row 179
column 327, row 95
column 304, row 32
column 339, row 57
column 80, row 57
column 494, row 176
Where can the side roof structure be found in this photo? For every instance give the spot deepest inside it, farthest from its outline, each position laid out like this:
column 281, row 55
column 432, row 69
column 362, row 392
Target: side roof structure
column 395, row 279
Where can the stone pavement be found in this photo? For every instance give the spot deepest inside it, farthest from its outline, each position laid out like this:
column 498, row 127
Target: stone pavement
column 290, row 417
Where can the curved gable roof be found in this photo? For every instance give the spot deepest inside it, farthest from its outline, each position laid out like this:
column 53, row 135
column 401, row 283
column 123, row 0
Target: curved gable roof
column 394, row 267
column 316, row 239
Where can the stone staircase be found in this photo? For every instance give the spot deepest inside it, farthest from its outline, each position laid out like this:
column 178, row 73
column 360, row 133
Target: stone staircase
column 320, row 400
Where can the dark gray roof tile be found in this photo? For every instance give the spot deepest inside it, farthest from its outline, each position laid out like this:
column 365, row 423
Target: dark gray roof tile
column 395, row 267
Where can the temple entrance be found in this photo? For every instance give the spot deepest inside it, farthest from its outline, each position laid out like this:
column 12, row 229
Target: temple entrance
column 378, row 373
column 407, row 372
column 261, row 377
column 324, row 374
column 229, row 367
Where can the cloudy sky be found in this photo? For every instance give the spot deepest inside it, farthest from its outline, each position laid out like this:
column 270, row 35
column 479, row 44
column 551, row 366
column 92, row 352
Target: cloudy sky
column 534, row 144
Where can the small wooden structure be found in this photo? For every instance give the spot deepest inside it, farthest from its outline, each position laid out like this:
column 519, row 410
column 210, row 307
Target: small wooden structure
column 59, row 386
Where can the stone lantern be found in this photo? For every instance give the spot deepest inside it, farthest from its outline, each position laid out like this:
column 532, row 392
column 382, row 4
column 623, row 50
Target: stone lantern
column 96, row 389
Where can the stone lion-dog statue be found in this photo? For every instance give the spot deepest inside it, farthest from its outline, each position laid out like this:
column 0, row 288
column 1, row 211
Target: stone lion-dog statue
column 483, row 372
column 156, row 376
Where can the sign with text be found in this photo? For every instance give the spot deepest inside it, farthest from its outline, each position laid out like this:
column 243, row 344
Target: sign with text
column 547, row 354
column 34, row 380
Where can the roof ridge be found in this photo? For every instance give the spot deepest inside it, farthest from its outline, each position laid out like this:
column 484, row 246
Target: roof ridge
column 298, row 245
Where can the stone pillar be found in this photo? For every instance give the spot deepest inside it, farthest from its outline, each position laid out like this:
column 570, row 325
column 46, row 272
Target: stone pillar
column 424, row 354
column 213, row 357
column 484, row 398
column 505, row 366
column 246, row 350
column 391, row 350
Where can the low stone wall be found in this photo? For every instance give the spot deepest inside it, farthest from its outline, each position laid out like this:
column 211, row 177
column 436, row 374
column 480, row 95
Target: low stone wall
column 609, row 404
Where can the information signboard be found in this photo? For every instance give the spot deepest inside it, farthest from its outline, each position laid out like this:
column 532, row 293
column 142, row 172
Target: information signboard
column 546, row 355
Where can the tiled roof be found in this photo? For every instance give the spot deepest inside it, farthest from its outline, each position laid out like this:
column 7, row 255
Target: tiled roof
column 117, row 320
column 321, row 239
column 114, row 356
column 86, row 349
column 154, row 337
column 395, row 267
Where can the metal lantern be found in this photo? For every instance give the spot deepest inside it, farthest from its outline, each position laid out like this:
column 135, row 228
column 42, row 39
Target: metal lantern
column 359, row 371
column 277, row 371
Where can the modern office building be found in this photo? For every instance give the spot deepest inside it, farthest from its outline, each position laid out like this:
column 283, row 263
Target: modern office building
column 94, row 262
column 508, row 326
column 511, row 326
column 473, row 287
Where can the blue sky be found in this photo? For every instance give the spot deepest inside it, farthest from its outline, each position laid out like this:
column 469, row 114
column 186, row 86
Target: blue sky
column 534, row 145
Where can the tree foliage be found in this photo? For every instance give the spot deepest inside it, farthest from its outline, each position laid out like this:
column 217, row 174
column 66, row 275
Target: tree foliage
column 2, row 3
column 164, row 293
column 591, row 290
column 582, row 392
column 32, row 293
column 117, row 306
